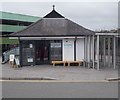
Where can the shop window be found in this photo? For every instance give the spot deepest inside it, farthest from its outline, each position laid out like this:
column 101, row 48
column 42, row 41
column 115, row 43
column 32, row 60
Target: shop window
column 56, row 50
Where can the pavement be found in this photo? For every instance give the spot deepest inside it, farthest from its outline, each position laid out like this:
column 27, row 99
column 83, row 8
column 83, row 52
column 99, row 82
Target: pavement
column 70, row 82
column 58, row 73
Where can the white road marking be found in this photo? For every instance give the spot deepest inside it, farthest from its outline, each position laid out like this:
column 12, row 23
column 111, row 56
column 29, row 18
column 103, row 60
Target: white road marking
column 61, row 81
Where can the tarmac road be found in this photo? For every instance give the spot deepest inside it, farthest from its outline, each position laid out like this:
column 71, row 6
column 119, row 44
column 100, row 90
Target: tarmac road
column 33, row 89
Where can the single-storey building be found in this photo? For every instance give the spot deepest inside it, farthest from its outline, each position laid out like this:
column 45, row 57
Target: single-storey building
column 56, row 38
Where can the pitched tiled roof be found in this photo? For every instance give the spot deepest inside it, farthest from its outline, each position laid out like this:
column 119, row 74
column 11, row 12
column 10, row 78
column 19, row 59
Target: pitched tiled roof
column 54, row 24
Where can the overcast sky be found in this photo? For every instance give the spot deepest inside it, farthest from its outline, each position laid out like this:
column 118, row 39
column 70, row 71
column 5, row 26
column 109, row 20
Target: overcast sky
column 92, row 15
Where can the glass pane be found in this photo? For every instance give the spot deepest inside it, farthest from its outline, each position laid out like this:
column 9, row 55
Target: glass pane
column 27, row 52
column 56, row 50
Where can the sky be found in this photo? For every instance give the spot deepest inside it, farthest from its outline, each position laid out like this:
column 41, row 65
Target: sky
column 91, row 15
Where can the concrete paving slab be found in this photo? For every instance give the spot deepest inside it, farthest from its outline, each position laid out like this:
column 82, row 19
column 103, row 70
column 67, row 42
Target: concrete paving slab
column 61, row 73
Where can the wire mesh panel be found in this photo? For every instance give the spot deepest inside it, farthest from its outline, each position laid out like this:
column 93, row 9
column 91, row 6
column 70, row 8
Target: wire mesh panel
column 28, row 53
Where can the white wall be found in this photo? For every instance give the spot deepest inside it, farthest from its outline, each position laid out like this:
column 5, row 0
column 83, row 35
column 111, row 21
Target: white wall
column 80, row 49
column 68, row 49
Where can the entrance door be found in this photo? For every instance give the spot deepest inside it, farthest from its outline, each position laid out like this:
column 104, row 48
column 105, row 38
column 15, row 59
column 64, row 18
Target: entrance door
column 42, row 52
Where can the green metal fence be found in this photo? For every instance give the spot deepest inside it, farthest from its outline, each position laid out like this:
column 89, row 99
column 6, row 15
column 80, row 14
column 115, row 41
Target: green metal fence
column 11, row 28
column 20, row 17
column 6, row 40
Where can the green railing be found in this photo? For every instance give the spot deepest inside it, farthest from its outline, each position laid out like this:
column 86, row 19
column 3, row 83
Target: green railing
column 19, row 17
column 11, row 28
column 6, row 40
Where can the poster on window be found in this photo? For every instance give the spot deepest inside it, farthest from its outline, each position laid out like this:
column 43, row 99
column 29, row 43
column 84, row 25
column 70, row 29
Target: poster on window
column 68, row 45
column 30, row 59
column 31, row 45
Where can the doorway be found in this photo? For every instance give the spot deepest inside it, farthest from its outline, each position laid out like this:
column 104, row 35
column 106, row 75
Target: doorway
column 42, row 52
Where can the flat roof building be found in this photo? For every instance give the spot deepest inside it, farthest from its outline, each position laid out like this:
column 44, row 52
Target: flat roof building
column 13, row 22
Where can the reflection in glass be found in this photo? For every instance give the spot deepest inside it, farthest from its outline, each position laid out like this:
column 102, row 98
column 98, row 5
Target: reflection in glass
column 56, row 50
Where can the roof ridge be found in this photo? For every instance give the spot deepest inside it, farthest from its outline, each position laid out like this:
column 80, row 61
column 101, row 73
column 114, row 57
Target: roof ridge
column 53, row 14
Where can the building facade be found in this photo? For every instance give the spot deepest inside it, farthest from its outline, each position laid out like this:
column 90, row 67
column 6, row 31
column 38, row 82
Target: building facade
column 12, row 22
column 56, row 38
column 51, row 38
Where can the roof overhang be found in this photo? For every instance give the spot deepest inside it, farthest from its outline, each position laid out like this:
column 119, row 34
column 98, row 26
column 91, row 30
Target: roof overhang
column 47, row 38
column 108, row 34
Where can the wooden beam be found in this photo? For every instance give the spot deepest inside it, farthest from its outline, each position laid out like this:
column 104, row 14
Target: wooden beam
column 89, row 42
column 104, row 50
column 109, row 52
column 93, row 52
column 114, row 52
column 98, row 65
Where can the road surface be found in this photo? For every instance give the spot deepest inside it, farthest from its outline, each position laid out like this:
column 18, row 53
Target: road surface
column 33, row 89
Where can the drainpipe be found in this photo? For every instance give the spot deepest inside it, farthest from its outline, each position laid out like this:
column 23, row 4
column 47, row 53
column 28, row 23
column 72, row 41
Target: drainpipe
column 75, row 48
column 20, row 52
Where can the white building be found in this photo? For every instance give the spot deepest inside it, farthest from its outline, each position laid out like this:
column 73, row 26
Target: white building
column 56, row 38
